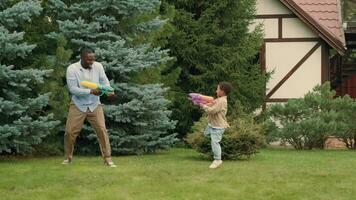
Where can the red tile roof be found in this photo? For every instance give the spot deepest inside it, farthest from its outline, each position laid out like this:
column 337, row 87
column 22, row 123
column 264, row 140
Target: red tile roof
column 324, row 16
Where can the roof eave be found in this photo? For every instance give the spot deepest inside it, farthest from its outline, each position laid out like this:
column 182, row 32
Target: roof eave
column 315, row 26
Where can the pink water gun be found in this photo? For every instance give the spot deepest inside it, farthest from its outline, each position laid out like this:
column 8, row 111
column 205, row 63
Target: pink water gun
column 199, row 99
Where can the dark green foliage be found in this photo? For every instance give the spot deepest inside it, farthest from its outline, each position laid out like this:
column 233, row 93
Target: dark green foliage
column 346, row 120
column 120, row 32
column 25, row 121
column 306, row 123
column 212, row 43
column 51, row 55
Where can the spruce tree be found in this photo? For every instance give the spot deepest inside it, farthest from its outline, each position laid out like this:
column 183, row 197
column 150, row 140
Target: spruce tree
column 138, row 120
column 24, row 121
column 212, row 43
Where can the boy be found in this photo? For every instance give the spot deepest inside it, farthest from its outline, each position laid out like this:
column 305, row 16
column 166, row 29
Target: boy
column 217, row 121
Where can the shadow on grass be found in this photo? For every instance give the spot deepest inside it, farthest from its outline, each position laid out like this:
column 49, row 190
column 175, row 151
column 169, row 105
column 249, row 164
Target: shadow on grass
column 12, row 158
column 199, row 157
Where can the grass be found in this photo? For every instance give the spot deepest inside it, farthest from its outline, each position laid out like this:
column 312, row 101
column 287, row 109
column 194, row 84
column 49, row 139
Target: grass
column 183, row 174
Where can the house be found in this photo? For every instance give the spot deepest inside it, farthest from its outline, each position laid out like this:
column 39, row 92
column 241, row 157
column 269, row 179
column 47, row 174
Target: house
column 306, row 43
column 346, row 67
column 303, row 46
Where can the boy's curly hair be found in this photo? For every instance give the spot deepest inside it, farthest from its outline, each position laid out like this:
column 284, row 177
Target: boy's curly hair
column 226, row 87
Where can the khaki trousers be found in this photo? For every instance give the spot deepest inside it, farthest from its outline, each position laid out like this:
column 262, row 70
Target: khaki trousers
column 75, row 123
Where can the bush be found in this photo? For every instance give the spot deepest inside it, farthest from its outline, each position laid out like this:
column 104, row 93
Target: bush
column 51, row 145
column 307, row 122
column 346, row 120
column 48, row 149
column 240, row 141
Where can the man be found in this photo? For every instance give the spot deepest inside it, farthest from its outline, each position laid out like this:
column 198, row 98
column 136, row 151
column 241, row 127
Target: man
column 86, row 104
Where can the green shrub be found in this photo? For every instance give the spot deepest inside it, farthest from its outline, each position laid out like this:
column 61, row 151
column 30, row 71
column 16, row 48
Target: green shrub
column 51, row 145
column 346, row 120
column 307, row 122
column 48, row 149
column 240, row 141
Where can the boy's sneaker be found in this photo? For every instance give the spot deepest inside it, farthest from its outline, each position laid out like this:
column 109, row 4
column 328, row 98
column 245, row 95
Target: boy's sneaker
column 66, row 162
column 110, row 164
column 215, row 164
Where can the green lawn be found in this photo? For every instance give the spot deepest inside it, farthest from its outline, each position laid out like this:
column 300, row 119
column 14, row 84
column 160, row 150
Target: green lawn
column 183, row 174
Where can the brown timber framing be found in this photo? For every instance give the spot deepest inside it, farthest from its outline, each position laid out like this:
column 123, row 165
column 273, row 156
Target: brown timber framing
column 295, row 68
column 263, row 67
column 325, row 63
column 280, row 18
column 325, row 75
column 292, row 40
column 263, row 57
column 275, row 16
column 280, row 28
column 277, row 100
column 280, row 38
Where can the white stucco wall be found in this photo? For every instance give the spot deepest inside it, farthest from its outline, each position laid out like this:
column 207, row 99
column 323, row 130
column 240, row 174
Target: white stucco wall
column 282, row 57
column 270, row 27
column 291, row 27
column 267, row 7
column 296, row 28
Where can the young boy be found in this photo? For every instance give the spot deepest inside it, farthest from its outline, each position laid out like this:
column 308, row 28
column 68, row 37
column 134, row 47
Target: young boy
column 217, row 121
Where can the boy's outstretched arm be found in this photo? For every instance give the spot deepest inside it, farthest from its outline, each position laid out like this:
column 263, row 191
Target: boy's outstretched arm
column 213, row 109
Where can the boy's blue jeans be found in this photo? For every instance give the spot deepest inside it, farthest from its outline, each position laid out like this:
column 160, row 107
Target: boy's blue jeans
column 215, row 135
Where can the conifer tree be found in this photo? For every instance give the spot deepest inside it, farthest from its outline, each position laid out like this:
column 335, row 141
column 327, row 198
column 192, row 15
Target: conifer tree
column 24, row 121
column 138, row 121
column 212, row 42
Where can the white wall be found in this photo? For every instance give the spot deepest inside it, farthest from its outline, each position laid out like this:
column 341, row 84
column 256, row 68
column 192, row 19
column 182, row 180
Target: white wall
column 296, row 28
column 270, row 27
column 291, row 27
column 267, row 7
column 282, row 57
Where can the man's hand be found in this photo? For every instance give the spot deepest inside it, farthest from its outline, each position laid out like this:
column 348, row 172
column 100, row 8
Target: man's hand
column 111, row 96
column 95, row 92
